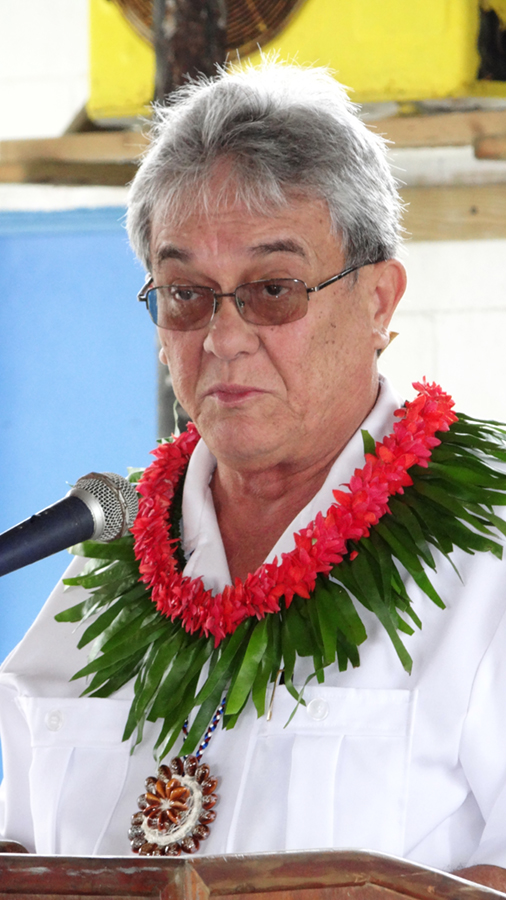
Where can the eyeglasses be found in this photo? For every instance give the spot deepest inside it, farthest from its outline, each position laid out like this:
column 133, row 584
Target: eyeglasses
column 273, row 301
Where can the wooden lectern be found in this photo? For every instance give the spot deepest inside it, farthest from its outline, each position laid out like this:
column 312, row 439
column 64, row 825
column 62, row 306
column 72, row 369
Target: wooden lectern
column 307, row 875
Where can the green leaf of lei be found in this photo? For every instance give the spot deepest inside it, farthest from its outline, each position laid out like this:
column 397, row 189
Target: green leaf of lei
column 450, row 504
column 368, row 441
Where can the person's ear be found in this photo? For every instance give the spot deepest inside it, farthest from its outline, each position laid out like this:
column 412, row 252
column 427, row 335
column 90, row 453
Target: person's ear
column 162, row 356
column 390, row 284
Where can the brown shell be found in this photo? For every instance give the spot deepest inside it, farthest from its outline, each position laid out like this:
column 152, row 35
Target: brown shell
column 209, row 801
column 190, row 765
column 172, row 850
column 190, row 844
column 176, row 766
column 202, row 773
column 209, row 785
column 166, row 804
column 207, row 816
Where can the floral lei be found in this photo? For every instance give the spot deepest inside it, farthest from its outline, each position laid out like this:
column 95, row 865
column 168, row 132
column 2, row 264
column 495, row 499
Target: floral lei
column 431, row 484
column 318, row 547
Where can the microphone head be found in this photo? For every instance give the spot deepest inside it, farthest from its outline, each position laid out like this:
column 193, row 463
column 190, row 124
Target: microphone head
column 112, row 501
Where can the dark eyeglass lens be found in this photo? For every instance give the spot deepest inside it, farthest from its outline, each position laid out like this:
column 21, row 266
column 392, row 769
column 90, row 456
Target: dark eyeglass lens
column 180, row 307
column 186, row 307
column 273, row 302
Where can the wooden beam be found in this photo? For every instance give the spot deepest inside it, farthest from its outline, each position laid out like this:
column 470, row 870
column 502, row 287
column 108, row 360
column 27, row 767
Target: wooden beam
column 491, row 147
column 442, row 129
column 433, row 213
column 55, row 171
column 469, row 212
column 439, row 130
column 91, row 147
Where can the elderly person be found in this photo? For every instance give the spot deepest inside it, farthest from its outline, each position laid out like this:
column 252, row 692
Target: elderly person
column 268, row 220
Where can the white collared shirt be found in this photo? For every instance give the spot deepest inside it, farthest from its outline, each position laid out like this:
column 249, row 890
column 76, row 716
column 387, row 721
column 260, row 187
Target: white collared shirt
column 409, row 765
column 202, row 539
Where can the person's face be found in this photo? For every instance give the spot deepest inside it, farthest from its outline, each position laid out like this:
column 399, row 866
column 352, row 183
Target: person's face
column 261, row 395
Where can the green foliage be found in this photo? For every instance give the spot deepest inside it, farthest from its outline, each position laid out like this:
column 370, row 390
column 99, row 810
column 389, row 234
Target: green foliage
column 450, row 504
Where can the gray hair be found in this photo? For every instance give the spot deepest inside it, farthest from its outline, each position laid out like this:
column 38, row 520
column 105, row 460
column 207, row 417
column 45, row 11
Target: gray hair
column 285, row 131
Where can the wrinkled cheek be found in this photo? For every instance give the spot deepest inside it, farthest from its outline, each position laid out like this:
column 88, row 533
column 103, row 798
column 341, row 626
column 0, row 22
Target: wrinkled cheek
column 183, row 365
column 178, row 382
column 184, row 389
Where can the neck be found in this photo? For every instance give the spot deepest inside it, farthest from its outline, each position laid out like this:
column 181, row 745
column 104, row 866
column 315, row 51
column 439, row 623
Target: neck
column 255, row 506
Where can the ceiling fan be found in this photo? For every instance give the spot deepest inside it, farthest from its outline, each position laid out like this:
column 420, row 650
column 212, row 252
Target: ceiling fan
column 250, row 22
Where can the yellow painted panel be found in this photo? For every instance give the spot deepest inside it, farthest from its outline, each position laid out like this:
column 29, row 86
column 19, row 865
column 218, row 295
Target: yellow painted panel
column 388, row 49
column 122, row 65
column 382, row 49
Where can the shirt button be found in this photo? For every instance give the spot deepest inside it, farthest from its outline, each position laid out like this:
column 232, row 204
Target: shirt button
column 318, row 709
column 54, row 720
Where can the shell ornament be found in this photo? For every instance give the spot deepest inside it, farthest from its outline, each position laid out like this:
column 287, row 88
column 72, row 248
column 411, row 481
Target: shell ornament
column 176, row 810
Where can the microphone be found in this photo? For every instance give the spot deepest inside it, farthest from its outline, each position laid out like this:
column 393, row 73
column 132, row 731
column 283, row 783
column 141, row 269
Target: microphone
column 101, row 506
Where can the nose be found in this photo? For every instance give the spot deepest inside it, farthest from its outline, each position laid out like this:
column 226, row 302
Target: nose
column 229, row 335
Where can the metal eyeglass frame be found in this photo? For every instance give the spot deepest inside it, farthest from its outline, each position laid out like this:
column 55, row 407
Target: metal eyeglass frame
column 148, row 286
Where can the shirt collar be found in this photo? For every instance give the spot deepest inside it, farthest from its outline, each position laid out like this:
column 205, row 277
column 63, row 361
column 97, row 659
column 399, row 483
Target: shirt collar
column 202, row 543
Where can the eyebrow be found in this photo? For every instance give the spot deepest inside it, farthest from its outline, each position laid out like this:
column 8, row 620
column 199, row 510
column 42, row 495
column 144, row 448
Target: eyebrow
column 283, row 245
column 170, row 251
column 280, row 246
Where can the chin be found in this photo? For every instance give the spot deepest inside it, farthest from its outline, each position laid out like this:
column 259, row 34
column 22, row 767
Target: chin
column 236, row 445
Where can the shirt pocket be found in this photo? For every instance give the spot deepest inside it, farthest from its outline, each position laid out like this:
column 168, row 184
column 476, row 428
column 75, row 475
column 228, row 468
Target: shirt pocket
column 336, row 776
column 78, row 770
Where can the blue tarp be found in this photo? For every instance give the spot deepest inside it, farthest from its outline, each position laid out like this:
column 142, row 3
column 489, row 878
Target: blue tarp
column 77, row 374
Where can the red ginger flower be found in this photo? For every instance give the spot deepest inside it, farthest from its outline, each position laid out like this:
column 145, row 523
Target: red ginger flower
column 318, row 547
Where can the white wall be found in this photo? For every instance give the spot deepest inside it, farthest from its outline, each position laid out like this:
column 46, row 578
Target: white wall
column 452, row 319
column 452, row 322
column 43, row 65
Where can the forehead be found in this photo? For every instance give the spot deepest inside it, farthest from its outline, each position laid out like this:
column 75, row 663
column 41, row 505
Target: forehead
column 301, row 229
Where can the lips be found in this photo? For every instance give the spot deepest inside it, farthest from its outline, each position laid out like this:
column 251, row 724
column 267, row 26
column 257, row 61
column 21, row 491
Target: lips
column 230, row 394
